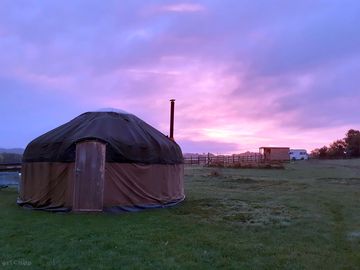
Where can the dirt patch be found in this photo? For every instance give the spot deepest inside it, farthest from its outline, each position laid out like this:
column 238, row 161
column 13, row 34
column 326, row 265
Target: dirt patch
column 239, row 217
column 201, row 208
column 340, row 181
column 242, row 181
column 215, row 173
column 249, row 183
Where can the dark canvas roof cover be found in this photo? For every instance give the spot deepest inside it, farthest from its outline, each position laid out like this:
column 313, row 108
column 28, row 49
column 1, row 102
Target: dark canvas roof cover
column 128, row 138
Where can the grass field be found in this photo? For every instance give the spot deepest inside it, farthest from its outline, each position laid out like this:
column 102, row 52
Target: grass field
column 304, row 217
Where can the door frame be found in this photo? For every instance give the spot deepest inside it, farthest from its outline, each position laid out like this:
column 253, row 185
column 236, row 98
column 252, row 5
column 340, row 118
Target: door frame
column 100, row 148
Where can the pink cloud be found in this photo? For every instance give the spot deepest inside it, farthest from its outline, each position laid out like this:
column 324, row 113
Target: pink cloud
column 243, row 76
column 183, row 7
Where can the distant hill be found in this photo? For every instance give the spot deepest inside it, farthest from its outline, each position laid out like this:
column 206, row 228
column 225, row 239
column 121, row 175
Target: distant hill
column 12, row 150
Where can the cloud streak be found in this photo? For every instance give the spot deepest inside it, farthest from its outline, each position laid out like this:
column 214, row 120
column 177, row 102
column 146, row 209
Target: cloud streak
column 245, row 74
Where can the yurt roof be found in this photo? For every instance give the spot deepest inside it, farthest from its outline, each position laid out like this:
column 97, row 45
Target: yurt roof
column 128, row 139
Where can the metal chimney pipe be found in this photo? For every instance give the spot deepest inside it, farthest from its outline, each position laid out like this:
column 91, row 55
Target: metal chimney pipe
column 172, row 111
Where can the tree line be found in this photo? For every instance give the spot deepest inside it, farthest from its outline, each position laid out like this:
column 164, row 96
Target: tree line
column 10, row 158
column 349, row 147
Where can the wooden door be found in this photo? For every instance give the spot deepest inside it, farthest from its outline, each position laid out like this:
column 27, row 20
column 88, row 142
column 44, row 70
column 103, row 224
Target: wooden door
column 89, row 176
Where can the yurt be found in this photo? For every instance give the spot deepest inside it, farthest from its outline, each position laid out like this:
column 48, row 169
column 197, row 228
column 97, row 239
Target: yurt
column 102, row 161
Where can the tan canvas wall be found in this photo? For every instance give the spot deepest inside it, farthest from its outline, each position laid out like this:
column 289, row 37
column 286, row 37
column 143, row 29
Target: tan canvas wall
column 133, row 184
column 46, row 184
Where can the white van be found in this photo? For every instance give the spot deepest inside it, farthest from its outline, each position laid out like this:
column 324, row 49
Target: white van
column 298, row 154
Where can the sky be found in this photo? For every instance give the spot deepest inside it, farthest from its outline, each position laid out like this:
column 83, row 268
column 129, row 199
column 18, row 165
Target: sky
column 244, row 73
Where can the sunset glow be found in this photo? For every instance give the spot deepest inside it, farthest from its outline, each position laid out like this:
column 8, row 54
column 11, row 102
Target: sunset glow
column 244, row 74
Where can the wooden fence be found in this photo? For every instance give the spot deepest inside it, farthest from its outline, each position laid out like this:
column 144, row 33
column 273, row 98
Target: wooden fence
column 223, row 160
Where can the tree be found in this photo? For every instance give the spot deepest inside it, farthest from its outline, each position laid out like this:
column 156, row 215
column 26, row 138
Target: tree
column 323, row 152
column 315, row 153
column 348, row 147
column 319, row 153
column 337, row 149
column 352, row 141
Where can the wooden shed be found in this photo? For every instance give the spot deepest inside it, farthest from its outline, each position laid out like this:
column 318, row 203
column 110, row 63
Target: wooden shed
column 275, row 153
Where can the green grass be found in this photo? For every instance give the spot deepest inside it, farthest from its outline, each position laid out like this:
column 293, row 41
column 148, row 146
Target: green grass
column 304, row 217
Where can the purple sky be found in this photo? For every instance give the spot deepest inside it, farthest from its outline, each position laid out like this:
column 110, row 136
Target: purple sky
column 244, row 73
